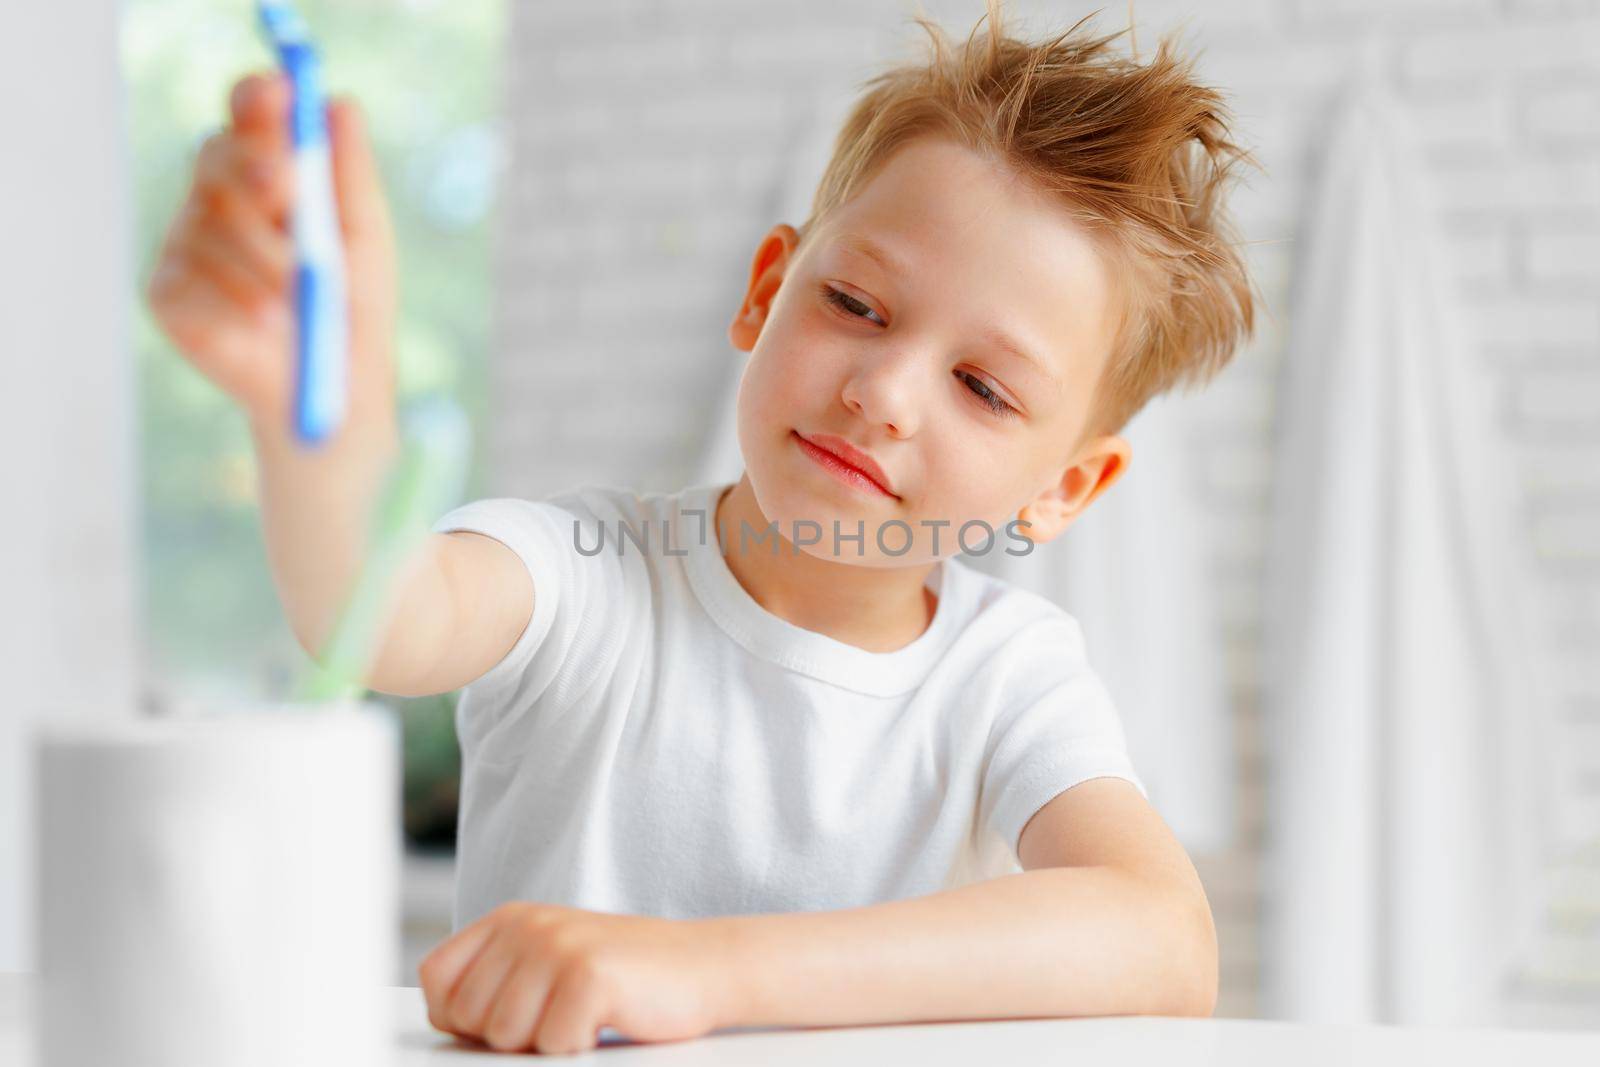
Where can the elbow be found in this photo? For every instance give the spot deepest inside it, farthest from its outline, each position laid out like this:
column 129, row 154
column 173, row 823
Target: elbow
column 1201, row 999
column 1198, row 988
column 1185, row 978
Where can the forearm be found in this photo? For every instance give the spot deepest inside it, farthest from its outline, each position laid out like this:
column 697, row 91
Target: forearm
column 1051, row 942
column 316, row 506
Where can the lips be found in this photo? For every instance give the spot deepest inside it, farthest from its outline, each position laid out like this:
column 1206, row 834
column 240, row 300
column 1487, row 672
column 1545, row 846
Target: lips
column 852, row 456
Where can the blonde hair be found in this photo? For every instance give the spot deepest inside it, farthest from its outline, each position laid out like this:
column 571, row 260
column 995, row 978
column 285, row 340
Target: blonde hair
column 1140, row 155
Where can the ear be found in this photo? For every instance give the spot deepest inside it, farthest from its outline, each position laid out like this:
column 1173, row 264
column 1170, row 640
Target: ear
column 1100, row 464
column 772, row 262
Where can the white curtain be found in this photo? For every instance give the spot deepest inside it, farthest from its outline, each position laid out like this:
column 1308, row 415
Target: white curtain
column 1131, row 570
column 1407, row 727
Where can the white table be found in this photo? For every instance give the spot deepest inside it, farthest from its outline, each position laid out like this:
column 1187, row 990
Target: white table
column 1190, row 1042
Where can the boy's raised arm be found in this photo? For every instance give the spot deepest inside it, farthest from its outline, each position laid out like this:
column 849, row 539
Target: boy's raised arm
column 222, row 290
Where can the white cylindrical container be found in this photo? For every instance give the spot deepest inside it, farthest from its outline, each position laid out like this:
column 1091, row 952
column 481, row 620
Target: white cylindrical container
column 218, row 890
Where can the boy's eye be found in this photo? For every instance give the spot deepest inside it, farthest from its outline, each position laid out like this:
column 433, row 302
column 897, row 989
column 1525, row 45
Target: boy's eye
column 990, row 398
column 849, row 304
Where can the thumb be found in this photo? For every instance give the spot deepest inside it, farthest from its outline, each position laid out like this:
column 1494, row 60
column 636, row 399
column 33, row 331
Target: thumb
column 362, row 212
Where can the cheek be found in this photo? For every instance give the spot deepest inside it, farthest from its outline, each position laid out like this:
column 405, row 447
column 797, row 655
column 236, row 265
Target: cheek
column 795, row 365
column 970, row 479
column 781, row 388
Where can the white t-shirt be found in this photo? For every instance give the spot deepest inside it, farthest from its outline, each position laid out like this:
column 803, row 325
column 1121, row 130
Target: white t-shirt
column 657, row 743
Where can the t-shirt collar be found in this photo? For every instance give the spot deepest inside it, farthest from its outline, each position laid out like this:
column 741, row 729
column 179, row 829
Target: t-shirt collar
column 794, row 647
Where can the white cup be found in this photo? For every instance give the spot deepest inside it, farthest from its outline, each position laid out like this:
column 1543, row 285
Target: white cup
column 218, row 889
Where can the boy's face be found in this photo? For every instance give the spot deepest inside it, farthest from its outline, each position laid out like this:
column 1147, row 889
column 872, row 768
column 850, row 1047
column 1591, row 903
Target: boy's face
column 906, row 364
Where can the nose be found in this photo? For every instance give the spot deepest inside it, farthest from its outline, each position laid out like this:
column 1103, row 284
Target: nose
column 883, row 390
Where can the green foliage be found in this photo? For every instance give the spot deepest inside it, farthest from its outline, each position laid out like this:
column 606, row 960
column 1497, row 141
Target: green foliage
column 432, row 768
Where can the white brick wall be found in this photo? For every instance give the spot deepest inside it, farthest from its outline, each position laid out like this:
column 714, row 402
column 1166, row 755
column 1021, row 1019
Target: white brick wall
column 647, row 137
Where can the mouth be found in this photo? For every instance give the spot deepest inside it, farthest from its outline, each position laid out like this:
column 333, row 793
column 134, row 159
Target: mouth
column 846, row 463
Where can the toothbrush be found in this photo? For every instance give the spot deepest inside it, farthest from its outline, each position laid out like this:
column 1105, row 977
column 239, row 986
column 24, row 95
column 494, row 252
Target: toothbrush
column 321, row 328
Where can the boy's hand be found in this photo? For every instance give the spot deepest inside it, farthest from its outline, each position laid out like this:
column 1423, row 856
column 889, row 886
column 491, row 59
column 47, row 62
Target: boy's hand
column 223, row 286
column 547, row 977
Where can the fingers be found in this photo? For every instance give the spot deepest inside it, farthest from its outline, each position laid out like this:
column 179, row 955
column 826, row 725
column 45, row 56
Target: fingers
column 258, row 144
column 195, row 260
column 217, row 257
column 262, row 177
column 221, row 287
column 443, row 968
column 572, row 1019
column 467, row 1007
column 517, row 1009
column 225, row 234
column 501, row 981
column 357, row 187
column 252, row 241
column 528, row 1009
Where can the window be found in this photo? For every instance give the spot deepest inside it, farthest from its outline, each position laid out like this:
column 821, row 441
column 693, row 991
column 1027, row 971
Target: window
column 427, row 77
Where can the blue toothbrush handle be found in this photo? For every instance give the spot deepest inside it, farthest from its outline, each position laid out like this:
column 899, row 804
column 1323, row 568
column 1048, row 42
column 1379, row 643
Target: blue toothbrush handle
column 320, row 385
column 321, row 335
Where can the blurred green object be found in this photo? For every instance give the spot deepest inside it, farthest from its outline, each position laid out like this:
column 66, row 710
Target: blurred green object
column 423, row 484
column 432, row 769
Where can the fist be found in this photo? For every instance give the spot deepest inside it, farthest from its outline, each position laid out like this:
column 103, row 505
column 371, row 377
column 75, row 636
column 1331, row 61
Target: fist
column 223, row 284
column 547, row 978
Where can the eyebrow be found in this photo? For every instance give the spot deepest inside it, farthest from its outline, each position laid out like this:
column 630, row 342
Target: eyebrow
column 1004, row 341
column 866, row 246
column 889, row 261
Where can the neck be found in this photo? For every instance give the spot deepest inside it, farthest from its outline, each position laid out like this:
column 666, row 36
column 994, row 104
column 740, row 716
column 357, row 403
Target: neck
column 879, row 609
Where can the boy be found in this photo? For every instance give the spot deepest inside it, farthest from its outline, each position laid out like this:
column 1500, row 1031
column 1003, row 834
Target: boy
column 781, row 760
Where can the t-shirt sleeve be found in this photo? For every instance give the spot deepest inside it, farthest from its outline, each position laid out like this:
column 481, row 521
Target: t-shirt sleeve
column 582, row 600
column 1050, row 736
